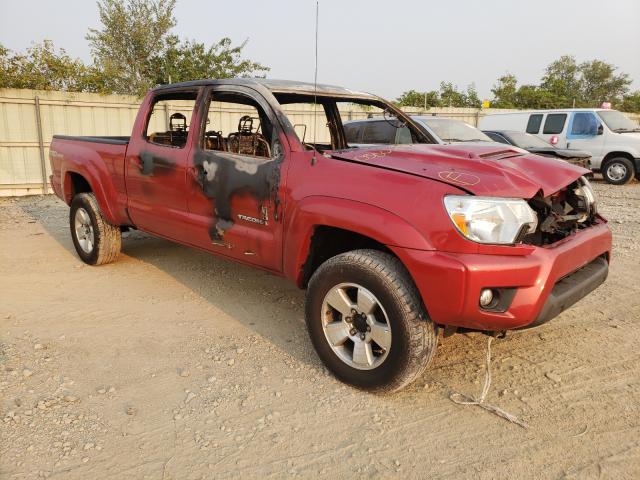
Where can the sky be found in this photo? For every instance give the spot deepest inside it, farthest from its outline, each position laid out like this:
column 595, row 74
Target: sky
column 380, row 46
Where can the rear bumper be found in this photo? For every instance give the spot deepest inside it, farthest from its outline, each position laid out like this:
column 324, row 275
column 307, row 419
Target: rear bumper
column 546, row 281
column 55, row 186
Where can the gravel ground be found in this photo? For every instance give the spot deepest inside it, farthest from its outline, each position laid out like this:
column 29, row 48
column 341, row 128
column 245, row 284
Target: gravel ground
column 171, row 363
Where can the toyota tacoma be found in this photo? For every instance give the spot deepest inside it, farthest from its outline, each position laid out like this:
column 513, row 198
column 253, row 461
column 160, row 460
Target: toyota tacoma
column 391, row 242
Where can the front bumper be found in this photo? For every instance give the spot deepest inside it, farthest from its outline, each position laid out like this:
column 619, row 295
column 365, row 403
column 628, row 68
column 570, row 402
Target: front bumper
column 572, row 288
column 578, row 162
column 546, row 281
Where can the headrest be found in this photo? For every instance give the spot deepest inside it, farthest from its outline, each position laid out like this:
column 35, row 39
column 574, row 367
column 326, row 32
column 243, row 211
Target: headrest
column 177, row 122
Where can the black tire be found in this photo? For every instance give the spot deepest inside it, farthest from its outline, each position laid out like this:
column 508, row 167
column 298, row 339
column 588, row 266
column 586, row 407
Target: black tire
column 620, row 164
column 107, row 238
column 414, row 336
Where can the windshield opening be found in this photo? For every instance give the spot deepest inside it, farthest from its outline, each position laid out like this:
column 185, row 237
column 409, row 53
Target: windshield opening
column 331, row 123
column 618, row 122
column 450, row 130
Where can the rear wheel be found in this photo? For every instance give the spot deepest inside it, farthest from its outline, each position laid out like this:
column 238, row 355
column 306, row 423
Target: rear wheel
column 97, row 241
column 618, row 171
column 367, row 323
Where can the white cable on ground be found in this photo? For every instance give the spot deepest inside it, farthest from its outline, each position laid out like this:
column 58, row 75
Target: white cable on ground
column 464, row 400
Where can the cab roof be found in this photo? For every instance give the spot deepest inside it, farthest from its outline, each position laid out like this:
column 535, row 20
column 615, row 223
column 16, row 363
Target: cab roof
column 275, row 86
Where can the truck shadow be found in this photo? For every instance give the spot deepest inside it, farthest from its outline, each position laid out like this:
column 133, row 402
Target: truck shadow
column 265, row 304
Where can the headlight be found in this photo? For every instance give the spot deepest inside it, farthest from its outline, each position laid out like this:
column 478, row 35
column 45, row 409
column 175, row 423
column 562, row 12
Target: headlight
column 585, row 191
column 490, row 219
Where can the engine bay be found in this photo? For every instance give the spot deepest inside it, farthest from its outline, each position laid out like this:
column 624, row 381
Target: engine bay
column 559, row 215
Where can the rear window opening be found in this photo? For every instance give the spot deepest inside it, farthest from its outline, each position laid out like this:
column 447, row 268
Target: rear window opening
column 168, row 121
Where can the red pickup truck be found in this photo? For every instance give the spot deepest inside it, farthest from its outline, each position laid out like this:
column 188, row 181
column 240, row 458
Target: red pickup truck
column 391, row 242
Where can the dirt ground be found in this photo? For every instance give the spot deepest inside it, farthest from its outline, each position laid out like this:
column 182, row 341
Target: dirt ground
column 171, row 363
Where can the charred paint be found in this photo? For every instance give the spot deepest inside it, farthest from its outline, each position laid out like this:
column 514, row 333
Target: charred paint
column 149, row 161
column 222, row 175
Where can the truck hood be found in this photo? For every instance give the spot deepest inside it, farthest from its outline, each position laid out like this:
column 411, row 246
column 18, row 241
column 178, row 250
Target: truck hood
column 489, row 170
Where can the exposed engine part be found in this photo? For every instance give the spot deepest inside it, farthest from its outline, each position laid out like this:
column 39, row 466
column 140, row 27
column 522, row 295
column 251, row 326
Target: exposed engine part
column 563, row 213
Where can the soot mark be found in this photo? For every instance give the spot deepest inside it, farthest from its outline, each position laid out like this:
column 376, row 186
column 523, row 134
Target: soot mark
column 222, row 175
column 149, row 161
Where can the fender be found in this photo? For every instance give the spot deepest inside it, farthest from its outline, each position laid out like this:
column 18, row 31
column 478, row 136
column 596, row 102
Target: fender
column 88, row 164
column 369, row 220
column 621, row 153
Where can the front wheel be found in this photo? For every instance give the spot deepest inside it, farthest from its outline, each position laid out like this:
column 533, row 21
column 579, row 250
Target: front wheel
column 618, row 171
column 97, row 241
column 367, row 322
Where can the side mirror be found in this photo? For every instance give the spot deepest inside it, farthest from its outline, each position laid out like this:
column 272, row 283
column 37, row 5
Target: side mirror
column 600, row 129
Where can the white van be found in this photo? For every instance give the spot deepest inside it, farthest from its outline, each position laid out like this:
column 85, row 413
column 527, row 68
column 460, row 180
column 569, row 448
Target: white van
column 612, row 138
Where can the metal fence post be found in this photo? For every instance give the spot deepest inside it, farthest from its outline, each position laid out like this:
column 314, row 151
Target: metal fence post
column 43, row 165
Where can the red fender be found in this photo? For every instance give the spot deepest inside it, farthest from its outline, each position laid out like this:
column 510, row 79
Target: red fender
column 88, row 164
column 374, row 222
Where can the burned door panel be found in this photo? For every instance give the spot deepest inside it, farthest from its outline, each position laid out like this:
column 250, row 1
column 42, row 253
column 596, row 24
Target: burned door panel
column 235, row 184
column 222, row 175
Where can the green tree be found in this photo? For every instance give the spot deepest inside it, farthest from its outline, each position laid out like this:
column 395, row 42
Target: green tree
column 191, row 60
column 532, row 96
column 413, row 98
column 565, row 84
column 133, row 33
column 135, row 49
column 450, row 96
column 599, row 83
column 5, row 74
column 43, row 67
column 504, row 92
column 630, row 102
column 584, row 85
column 562, row 80
column 472, row 99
